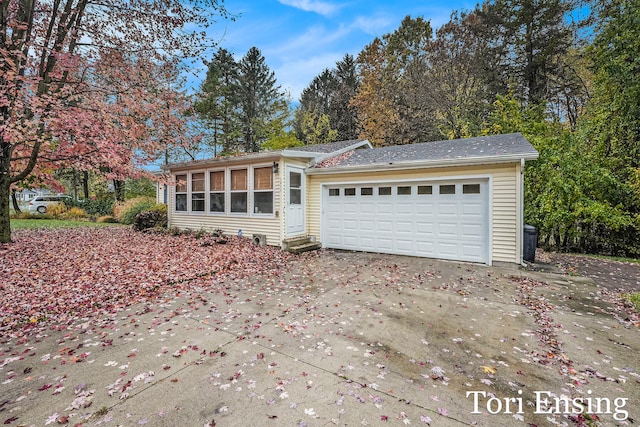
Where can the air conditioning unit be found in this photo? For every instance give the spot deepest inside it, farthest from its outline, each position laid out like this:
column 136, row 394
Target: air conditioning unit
column 259, row 239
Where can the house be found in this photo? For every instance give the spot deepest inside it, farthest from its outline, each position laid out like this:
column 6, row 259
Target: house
column 458, row 199
column 27, row 195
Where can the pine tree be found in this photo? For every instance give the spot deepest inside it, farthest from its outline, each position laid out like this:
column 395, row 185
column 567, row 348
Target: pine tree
column 260, row 99
column 219, row 101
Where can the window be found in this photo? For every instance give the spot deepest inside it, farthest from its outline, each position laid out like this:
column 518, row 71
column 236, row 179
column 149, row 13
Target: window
column 181, row 193
column 197, row 192
column 295, row 188
column 384, row 191
column 263, row 190
column 425, row 189
column 349, row 191
column 366, row 191
column 471, row 188
column 238, row 195
column 404, row 191
column 447, row 189
column 216, row 191
column 334, row 192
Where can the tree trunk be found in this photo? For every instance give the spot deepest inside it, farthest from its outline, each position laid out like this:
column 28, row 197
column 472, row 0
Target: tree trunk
column 14, row 200
column 5, row 218
column 118, row 188
column 75, row 184
column 85, row 183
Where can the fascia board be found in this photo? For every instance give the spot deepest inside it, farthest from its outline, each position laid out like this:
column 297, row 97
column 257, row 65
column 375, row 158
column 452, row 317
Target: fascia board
column 472, row 161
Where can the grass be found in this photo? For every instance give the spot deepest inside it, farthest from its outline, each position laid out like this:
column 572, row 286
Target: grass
column 19, row 224
column 615, row 258
column 634, row 298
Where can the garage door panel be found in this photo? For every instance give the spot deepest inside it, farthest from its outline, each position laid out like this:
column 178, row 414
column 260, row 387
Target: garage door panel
column 334, row 224
column 425, row 248
column 404, row 227
column 448, row 250
column 448, row 209
column 404, row 209
column 367, row 226
column 367, row 243
column 405, row 247
column 385, row 245
column 385, row 226
column 430, row 224
column 472, row 230
column 448, row 229
column 424, row 228
column 349, row 225
column 472, row 250
column 350, row 208
column 384, row 208
column 472, row 209
column 334, row 209
column 425, row 208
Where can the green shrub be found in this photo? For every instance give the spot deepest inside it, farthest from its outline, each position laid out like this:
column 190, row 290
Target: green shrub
column 126, row 213
column 156, row 217
column 29, row 215
column 75, row 213
column 57, row 209
column 97, row 207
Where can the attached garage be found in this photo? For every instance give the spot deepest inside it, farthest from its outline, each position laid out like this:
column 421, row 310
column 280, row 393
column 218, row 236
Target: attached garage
column 435, row 219
column 458, row 200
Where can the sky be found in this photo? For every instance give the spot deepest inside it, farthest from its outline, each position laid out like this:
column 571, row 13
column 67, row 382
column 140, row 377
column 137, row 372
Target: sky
column 300, row 38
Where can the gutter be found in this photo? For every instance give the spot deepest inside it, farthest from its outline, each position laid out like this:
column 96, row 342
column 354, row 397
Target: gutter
column 319, row 157
column 422, row 164
column 223, row 160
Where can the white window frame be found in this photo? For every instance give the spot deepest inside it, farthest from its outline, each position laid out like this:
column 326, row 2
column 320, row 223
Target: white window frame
column 181, row 193
column 226, row 188
column 246, row 191
column 203, row 192
column 253, row 192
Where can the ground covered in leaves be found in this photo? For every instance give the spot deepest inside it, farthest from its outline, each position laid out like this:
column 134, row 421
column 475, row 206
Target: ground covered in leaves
column 110, row 327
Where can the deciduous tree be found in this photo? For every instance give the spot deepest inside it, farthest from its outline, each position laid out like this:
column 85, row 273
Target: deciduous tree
column 56, row 105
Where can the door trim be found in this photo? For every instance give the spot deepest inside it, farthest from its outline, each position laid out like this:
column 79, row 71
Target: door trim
column 303, row 200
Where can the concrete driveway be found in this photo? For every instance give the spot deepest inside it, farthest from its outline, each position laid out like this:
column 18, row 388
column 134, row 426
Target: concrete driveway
column 342, row 339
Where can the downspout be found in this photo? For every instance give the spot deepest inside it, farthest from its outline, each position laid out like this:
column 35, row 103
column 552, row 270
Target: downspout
column 521, row 221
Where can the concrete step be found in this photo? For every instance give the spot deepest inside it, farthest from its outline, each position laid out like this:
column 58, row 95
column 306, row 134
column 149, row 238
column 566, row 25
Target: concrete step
column 304, row 247
column 295, row 241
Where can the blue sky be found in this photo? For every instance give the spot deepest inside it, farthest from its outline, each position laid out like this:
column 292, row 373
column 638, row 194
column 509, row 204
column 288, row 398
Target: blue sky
column 300, row 38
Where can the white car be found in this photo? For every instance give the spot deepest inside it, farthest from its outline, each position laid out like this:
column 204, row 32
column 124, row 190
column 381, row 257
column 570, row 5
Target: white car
column 39, row 203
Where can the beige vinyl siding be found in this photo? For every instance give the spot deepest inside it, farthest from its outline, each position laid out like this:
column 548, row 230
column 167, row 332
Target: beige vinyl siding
column 505, row 206
column 505, row 203
column 270, row 226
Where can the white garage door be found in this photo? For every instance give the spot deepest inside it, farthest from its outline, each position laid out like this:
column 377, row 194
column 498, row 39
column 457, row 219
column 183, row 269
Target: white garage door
column 447, row 220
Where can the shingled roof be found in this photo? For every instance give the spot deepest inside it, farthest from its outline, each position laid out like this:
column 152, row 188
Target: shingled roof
column 329, row 148
column 484, row 148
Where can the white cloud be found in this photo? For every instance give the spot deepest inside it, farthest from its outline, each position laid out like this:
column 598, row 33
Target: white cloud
column 374, row 26
column 319, row 7
column 296, row 75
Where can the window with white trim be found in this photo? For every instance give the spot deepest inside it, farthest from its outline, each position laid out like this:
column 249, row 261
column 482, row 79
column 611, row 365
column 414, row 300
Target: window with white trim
column 238, row 192
column 197, row 192
column 181, row 193
column 263, row 190
column 216, row 191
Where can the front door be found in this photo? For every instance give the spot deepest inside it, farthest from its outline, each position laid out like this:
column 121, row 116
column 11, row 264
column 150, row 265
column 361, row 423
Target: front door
column 295, row 201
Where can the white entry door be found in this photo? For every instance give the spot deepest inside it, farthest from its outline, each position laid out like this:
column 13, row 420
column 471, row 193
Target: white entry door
column 447, row 220
column 295, row 213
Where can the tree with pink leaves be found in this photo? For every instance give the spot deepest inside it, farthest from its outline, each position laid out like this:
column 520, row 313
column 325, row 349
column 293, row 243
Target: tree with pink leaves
column 93, row 84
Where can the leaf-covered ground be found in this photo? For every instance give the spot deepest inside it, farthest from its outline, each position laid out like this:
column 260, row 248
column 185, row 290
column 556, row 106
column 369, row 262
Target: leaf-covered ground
column 112, row 327
column 54, row 277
